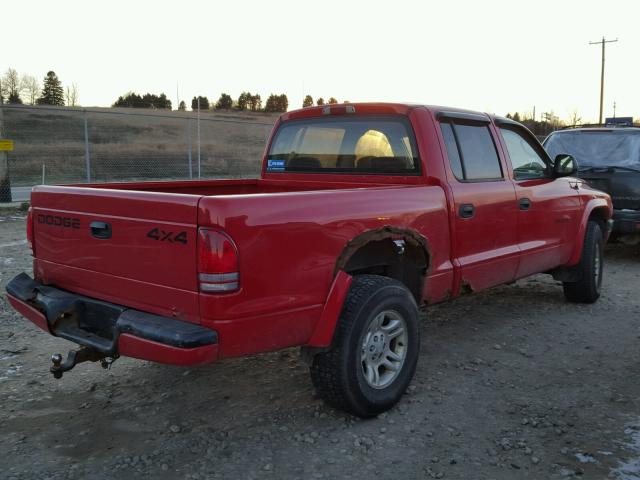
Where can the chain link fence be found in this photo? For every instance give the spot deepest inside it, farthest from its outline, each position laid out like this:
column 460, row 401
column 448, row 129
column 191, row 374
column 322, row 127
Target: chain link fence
column 58, row 145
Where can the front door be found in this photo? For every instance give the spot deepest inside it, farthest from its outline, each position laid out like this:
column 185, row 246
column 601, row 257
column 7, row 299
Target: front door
column 548, row 209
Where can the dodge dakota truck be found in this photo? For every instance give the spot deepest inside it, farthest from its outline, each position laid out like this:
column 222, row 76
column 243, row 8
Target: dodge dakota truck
column 362, row 214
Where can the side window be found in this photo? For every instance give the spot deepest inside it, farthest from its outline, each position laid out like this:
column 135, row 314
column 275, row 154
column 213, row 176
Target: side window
column 452, row 150
column 526, row 162
column 472, row 152
column 479, row 154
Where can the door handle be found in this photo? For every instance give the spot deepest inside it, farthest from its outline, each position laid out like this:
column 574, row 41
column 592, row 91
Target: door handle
column 101, row 230
column 524, row 203
column 467, row 210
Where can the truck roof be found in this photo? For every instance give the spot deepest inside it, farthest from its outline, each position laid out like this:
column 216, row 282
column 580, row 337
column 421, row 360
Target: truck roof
column 369, row 108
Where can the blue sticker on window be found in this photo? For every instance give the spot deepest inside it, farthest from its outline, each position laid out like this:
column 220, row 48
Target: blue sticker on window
column 275, row 165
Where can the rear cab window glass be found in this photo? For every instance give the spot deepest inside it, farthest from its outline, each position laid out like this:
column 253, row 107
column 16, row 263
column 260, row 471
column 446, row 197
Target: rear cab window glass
column 358, row 145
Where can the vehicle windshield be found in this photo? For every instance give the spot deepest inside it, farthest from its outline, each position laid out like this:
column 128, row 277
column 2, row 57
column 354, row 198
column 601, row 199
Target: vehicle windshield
column 358, row 145
column 600, row 149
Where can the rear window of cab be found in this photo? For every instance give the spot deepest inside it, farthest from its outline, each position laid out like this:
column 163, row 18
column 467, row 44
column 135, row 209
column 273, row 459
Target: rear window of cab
column 356, row 145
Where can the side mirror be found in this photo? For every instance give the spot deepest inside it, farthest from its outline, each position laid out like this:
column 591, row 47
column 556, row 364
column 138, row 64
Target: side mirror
column 564, row 166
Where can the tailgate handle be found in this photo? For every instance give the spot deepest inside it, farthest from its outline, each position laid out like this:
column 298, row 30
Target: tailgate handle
column 101, row 230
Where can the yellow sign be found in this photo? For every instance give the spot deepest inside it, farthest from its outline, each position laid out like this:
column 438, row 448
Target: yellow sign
column 6, row 145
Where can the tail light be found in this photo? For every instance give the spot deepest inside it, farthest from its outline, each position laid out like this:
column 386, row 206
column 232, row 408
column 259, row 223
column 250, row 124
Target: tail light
column 217, row 262
column 30, row 231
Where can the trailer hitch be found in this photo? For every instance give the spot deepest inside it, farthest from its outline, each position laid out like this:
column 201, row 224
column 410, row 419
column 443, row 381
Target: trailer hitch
column 74, row 357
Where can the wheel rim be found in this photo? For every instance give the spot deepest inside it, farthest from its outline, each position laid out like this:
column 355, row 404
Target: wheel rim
column 384, row 349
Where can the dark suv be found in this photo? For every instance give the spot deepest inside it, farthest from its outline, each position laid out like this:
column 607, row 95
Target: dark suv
column 609, row 159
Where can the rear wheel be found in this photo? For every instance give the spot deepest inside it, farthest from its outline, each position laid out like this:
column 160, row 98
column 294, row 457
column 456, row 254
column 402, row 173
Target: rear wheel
column 587, row 289
column 375, row 349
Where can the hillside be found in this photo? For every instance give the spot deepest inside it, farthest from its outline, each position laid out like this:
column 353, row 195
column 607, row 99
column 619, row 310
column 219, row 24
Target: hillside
column 132, row 144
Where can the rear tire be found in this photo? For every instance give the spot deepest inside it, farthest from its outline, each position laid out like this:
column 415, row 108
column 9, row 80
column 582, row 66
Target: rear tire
column 375, row 348
column 587, row 289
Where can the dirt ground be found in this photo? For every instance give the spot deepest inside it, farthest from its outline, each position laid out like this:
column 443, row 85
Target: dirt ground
column 512, row 383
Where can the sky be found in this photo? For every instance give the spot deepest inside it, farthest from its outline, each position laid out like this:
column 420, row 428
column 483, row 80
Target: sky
column 491, row 55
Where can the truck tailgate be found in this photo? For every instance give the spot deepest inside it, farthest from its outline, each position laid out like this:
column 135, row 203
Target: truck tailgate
column 139, row 247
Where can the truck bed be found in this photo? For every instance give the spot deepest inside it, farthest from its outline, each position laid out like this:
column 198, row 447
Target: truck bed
column 253, row 186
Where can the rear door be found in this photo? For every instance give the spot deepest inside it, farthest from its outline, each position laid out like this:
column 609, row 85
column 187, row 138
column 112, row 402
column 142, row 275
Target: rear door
column 549, row 210
column 129, row 247
column 485, row 238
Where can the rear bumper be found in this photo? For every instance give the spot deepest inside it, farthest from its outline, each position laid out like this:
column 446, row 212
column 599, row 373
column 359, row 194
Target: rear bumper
column 626, row 221
column 112, row 329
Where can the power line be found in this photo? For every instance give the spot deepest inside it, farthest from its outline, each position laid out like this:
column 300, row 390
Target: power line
column 602, row 42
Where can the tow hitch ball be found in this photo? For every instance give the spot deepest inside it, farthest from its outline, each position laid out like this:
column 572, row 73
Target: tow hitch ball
column 78, row 356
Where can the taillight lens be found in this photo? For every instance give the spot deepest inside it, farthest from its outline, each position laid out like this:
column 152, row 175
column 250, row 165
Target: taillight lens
column 30, row 230
column 217, row 262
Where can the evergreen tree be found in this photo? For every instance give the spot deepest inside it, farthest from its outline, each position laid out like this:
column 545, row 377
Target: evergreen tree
column 14, row 97
column 283, row 103
column 52, row 91
column 320, row 101
column 276, row 103
column 225, row 102
column 244, row 100
column 183, row 106
column 204, row 103
column 255, row 102
column 332, row 100
column 307, row 102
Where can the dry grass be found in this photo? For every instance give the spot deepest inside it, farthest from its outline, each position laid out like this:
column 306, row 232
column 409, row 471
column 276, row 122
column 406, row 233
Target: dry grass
column 132, row 147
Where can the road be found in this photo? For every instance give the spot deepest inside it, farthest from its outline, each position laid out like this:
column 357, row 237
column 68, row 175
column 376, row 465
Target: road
column 512, row 383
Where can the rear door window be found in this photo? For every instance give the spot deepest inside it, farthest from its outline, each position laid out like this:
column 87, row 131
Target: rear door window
column 472, row 152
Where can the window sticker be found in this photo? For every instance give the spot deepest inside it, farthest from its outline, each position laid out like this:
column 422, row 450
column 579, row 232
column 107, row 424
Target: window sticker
column 275, row 165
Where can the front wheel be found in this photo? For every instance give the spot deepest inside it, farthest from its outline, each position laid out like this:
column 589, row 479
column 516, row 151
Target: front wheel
column 587, row 289
column 375, row 348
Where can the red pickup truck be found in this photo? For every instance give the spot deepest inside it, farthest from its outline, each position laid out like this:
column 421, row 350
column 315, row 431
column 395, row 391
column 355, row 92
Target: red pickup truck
column 363, row 212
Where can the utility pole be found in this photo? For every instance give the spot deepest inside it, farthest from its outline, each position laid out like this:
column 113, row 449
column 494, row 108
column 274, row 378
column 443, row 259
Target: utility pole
column 602, row 42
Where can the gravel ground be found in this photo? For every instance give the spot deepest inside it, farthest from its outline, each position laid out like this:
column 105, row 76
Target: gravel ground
column 512, row 383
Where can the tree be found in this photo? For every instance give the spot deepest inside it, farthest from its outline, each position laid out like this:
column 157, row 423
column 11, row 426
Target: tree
column 129, row 100
column 276, row 103
column 148, row 100
column 225, row 102
column 320, row 101
column 516, row 117
column 72, row 95
column 243, row 100
column 307, row 102
column 204, row 103
column 332, row 100
column 11, row 86
column 52, row 92
column 30, row 88
column 575, row 118
column 183, row 106
column 255, row 102
column 14, row 97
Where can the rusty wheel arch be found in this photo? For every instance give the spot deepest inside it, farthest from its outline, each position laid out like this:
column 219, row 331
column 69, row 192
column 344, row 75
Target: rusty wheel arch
column 414, row 241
